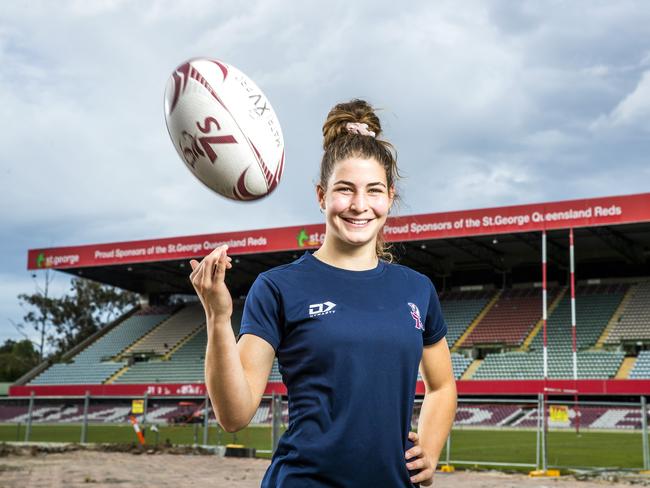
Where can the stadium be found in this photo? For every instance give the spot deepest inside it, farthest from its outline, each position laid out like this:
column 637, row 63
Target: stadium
column 507, row 278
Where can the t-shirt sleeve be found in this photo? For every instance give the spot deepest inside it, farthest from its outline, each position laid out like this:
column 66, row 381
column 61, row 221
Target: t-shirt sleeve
column 262, row 312
column 435, row 327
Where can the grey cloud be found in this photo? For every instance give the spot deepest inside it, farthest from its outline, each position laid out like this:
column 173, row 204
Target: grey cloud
column 541, row 101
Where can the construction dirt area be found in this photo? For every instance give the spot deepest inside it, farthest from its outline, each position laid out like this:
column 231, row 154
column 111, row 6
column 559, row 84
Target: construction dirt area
column 111, row 466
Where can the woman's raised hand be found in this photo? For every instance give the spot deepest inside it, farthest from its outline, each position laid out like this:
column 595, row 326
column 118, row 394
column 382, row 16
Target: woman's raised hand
column 208, row 277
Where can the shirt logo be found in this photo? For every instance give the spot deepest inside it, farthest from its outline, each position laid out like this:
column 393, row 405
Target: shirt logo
column 415, row 313
column 321, row 309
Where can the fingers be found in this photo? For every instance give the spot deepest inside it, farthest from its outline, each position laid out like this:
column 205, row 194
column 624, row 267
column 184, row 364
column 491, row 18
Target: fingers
column 417, row 464
column 420, row 462
column 205, row 271
column 197, row 275
column 212, row 263
column 220, row 266
column 425, row 477
column 413, row 452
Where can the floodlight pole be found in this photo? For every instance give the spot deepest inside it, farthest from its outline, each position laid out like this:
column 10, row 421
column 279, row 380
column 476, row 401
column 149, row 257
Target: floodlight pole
column 84, row 425
column 538, row 431
column 30, row 410
column 644, row 433
column 545, row 352
column 574, row 334
column 276, row 416
column 206, row 415
column 145, row 407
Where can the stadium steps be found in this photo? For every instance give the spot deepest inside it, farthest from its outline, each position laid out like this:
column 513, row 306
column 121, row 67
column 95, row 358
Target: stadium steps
column 476, row 321
column 33, row 373
column 117, row 374
column 183, row 342
column 527, row 342
column 124, row 353
column 626, row 366
column 469, row 372
column 615, row 318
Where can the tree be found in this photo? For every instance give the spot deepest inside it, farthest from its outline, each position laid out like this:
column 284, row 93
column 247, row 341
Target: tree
column 66, row 321
column 39, row 317
column 16, row 359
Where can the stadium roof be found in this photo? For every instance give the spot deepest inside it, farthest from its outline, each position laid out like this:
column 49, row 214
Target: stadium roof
column 492, row 245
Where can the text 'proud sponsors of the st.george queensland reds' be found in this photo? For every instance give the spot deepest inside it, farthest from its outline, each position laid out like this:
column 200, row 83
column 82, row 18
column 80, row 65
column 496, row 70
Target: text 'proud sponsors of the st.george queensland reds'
column 180, row 248
column 504, row 220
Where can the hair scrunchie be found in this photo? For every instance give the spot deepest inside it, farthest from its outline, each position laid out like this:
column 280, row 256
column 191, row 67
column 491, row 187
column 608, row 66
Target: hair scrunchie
column 359, row 128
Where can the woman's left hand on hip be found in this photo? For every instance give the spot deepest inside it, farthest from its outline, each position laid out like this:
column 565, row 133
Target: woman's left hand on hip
column 417, row 459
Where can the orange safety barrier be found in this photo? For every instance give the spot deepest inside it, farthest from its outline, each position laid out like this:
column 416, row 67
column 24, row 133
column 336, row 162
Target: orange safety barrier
column 136, row 427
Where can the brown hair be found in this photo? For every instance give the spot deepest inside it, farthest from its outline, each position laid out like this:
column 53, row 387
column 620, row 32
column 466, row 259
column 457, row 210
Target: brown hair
column 340, row 144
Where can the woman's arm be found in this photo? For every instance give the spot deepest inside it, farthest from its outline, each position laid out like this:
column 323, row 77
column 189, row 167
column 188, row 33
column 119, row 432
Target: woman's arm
column 235, row 373
column 439, row 407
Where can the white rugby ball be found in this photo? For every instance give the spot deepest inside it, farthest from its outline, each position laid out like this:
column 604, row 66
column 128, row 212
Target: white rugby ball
column 224, row 129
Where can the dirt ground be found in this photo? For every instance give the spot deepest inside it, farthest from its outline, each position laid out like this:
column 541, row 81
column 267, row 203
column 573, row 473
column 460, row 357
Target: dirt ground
column 76, row 468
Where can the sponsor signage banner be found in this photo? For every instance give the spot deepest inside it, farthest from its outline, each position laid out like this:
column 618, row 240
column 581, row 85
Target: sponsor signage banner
column 500, row 220
column 467, row 387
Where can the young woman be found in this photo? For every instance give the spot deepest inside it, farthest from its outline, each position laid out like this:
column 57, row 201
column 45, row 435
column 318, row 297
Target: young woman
column 350, row 329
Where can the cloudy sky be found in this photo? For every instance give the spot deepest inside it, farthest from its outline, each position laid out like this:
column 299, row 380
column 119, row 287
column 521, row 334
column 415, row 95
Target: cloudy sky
column 488, row 103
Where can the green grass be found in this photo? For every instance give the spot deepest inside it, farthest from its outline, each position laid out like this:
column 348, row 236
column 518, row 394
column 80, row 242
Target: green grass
column 257, row 437
column 565, row 448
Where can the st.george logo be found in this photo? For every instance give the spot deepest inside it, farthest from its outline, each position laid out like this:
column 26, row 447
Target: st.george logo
column 415, row 313
column 317, row 309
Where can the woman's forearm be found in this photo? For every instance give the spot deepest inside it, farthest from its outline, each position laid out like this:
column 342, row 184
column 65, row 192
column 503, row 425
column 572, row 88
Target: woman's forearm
column 225, row 380
column 436, row 418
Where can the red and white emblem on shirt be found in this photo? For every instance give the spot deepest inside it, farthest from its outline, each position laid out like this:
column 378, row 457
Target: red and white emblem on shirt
column 415, row 313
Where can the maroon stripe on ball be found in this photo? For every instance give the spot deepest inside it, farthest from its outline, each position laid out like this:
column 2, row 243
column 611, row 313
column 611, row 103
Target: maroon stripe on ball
column 224, row 68
column 194, row 74
column 240, row 191
column 265, row 170
column 278, row 173
column 180, row 82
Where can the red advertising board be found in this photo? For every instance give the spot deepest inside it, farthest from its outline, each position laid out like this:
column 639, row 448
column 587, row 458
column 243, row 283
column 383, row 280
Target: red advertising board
column 466, row 387
column 499, row 220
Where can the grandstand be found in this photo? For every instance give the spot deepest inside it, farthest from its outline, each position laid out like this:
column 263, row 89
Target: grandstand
column 170, row 348
column 595, row 306
column 488, row 277
column 165, row 337
column 634, row 322
column 528, row 365
column 642, row 366
column 460, row 308
column 186, row 362
column 510, row 319
column 95, row 364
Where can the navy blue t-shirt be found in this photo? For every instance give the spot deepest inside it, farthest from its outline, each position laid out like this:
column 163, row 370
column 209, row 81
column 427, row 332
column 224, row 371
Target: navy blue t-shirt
column 348, row 345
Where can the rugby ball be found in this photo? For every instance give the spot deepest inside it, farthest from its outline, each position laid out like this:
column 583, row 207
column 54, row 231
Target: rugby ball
column 224, row 129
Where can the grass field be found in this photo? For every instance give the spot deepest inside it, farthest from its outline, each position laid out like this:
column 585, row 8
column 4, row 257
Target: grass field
column 565, row 448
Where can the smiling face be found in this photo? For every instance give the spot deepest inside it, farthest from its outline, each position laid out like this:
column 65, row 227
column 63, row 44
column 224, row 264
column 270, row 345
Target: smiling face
column 356, row 201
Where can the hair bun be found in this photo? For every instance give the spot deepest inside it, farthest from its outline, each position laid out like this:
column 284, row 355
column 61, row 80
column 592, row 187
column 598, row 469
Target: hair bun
column 355, row 111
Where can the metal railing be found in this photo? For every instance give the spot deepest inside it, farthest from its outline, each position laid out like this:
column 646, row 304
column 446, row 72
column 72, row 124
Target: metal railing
column 514, row 432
